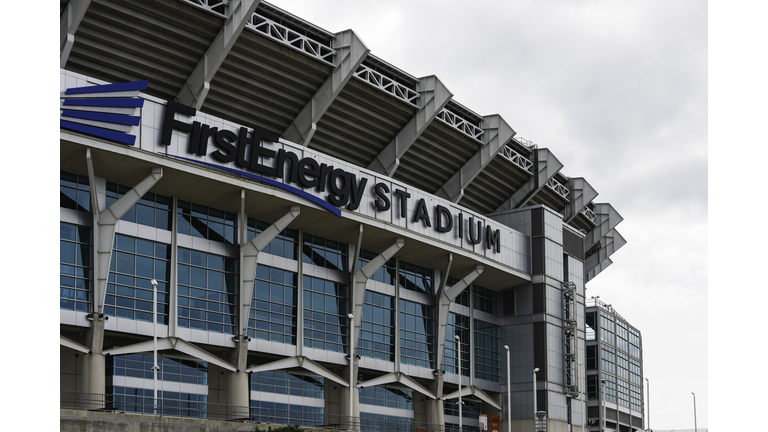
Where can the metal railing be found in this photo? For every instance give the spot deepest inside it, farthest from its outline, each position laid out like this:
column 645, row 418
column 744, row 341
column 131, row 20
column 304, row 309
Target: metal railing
column 208, row 411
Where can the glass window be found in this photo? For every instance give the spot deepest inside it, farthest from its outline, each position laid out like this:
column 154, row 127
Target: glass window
column 485, row 300
column 135, row 262
column 74, row 267
column 326, row 325
column 416, row 278
column 377, row 330
column 74, row 192
column 386, row 396
column 284, row 245
column 608, row 360
column 417, row 337
column 591, row 357
column 591, row 325
column 286, row 414
column 607, row 329
column 457, row 325
column 140, row 400
column 325, row 253
column 487, row 351
column 273, row 306
column 610, row 388
column 282, row 382
column 152, row 209
column 207, row 291
column 132, row 399
column 206, row 222
column 471, row 408
column 171, row 369
column 592, row 389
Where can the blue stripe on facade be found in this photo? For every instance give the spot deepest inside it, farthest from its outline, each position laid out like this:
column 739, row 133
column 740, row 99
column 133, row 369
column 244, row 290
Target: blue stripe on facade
column 104, row 117
column 331, row 208
column 134, row 85
column 99, row 132
column 116, row 102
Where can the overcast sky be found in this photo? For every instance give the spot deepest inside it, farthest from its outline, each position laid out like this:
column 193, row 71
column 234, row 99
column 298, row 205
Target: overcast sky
column 618, row 91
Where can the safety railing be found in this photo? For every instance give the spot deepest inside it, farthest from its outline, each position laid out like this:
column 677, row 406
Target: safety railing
column 209, row 411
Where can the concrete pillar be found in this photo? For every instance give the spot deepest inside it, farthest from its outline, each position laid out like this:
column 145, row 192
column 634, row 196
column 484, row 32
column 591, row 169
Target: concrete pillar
column 94, row 366
column 93, row 374
column 238, row 383
column 435, row 413
column 344, row 395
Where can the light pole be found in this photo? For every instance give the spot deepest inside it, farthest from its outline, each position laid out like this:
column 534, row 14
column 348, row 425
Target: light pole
column 351, row 366
column 458, row 350
column 695, row 426
column 534, row 397
column 602, row 403
column 509, row 393
column 155, row 367
column 648, row 397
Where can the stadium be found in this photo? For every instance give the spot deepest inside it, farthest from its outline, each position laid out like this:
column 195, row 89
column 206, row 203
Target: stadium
column 247, row 199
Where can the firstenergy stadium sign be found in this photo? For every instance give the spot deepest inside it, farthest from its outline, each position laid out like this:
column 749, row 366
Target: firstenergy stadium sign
column 331, row 187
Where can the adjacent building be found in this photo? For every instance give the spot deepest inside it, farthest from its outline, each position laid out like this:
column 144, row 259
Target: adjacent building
column 614, row 370
column 286, row 198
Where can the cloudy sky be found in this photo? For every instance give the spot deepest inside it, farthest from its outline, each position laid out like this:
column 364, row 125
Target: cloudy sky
column 618, row 91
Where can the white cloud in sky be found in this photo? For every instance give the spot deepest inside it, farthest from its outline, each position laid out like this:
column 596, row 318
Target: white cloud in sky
column 618, row 91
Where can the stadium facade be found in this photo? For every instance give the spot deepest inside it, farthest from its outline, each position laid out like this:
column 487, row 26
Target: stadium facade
column 281, row 189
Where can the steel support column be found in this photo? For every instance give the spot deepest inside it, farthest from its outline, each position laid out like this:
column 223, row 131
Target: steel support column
column 194, row 91
column 70, row 20
column 434, row 96
column 546, row 165
column 350, row 52
column 497, row 134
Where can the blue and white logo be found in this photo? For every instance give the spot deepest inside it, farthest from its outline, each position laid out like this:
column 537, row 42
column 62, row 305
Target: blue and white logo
column 106, row 111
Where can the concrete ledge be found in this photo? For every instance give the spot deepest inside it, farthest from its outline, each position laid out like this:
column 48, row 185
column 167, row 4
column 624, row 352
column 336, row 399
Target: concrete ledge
column 96, row 421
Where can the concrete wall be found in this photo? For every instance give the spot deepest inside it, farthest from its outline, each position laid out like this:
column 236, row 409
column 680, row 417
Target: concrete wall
column 89, row 421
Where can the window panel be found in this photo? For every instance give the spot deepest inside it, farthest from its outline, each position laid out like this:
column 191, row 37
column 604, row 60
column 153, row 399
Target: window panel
column 203, row 283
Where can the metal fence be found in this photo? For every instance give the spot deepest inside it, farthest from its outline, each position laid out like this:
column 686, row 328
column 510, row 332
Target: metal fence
column 209, row 411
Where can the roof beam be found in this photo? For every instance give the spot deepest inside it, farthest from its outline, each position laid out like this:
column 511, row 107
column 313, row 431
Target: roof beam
column 194, row 91
column 178, row 344
column 545, row 166
column 350, row 53
column 497, row 134
column 433, row 97
column 69, row 343
column 582, row 193
column 68, row 24
column 476, row 391
column 606, row 219
column 299, row 362
column 401, row 378
column 600, row 260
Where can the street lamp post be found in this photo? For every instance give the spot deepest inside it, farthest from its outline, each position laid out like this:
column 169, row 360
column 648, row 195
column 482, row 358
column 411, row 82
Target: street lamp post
column 155, row 367
column 458, row 350
column 602, row 403
column 509, row 393
column 695, row 426
column 351, row 366
column 534, row 398
column 648, row 398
